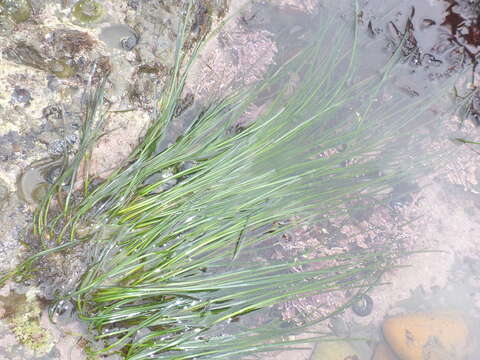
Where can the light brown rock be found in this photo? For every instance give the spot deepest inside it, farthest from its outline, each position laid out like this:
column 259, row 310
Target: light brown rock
column 427, row 336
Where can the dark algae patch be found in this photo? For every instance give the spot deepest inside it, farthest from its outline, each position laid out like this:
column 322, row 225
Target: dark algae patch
column 438, row 40
column 463, row 20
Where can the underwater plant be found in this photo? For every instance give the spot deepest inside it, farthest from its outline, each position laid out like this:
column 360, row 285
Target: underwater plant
column 178, row 261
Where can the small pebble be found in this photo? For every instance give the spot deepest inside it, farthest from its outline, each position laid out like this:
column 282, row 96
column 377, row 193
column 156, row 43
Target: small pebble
column 71, row 139
column 54, row 114
column 57, row 148
column 21, row 96
column 363, row 306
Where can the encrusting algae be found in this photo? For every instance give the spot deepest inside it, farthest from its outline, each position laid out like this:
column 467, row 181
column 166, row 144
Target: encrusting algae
column 23, row 312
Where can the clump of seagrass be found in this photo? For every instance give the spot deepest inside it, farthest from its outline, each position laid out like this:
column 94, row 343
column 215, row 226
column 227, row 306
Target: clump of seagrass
column 174, row 267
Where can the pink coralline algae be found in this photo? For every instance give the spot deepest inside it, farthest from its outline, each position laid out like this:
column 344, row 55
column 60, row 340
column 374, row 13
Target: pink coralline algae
column 236, row 57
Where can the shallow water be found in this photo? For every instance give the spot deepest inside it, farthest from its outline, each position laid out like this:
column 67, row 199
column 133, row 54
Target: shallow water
column 438, row 210
column 440, row 204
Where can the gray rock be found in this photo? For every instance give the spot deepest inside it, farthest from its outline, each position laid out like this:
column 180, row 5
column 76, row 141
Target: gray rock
column 21, row 96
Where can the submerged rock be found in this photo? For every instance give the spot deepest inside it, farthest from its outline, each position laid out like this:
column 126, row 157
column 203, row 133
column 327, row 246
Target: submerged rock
column 39, row 193
column 26, row 54
column 335, row 350
column 60, row 53
column 62, row 68
column 21, row 96
column 427, row 336
column 70, row 42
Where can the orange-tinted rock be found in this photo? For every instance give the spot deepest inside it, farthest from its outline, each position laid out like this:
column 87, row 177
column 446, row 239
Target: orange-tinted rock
column 425, row 336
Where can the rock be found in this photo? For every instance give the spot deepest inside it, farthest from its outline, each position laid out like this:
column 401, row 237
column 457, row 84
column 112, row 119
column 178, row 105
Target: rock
column 129, row 42
column 4, row 193
column 39, row 193
column 63, row 68
column 21, row 96
column 335, row 350
column 70, row 42
column 25, row 54
column 18, row 10
column 22, row 312
column 54, row 115
column 427, row 336
column 383, row 352
column 58, row 147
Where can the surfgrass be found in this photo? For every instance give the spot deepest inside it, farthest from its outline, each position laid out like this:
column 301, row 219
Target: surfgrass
column 180, row 271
